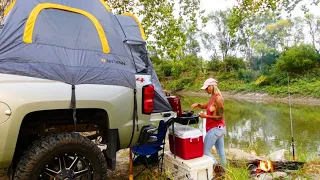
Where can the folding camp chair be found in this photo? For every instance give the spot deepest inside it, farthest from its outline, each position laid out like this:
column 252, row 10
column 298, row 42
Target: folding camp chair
column 148, row 154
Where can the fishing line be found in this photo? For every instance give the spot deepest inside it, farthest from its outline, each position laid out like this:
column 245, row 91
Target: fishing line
column 292, row 139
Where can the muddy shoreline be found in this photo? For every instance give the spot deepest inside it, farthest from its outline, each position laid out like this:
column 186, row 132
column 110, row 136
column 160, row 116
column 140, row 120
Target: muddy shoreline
column 255, row 97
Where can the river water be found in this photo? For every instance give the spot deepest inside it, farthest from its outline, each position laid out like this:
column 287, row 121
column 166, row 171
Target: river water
column 265, row 127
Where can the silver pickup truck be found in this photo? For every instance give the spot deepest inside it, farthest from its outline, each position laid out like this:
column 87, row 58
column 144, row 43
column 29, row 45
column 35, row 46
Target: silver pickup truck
column 37, row 128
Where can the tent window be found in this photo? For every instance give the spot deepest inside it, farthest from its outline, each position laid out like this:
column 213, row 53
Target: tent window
column 56, row 22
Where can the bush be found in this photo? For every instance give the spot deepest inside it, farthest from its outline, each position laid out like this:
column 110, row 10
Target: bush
column 166, row 68
column 246, row 75
column 215, row 65
column 234, row 63
column 233, row 75
column 180, row 84
column 176, row 68
column 277, row 78
column 192, row 63
column 262, row 81
column 298, row 59
column 270, row 58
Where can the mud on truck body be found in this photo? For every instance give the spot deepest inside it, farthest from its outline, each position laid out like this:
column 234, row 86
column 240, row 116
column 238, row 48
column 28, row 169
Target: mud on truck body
column 68, row 67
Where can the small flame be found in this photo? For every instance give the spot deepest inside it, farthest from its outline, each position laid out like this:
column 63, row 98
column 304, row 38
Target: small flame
column 265, row 165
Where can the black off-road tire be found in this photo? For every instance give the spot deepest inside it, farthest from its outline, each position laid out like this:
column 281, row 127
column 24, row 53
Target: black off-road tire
column 38, row 156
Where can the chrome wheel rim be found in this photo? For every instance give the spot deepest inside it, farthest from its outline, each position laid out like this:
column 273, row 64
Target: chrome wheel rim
column 67, row 167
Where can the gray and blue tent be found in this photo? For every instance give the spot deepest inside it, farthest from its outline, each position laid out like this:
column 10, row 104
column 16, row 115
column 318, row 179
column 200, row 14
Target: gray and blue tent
column 75, row 42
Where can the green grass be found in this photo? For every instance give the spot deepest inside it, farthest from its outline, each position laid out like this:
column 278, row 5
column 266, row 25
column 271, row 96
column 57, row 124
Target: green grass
column 234, row 173
column 298, row 88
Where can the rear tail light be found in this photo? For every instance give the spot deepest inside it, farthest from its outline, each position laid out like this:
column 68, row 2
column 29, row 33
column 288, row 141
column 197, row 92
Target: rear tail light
column 147, row 99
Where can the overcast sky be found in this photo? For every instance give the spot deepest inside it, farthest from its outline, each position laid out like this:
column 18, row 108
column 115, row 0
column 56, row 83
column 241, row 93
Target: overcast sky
column 214, row 5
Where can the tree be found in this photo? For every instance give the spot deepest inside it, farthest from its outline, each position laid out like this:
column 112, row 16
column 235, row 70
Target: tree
column 280, row 32
column 215, row 65
column 252, row 32
column 297, row 30
column 313, row 24
column 192, row 46
column 163, row 29
column 192, row 64
column 298, row 59
column 248, row 8
column 209, row 43
column 265, row 60
column 226, row 42
column 234, row 63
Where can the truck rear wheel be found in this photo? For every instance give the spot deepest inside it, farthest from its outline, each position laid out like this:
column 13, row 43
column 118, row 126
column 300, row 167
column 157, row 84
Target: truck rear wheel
column 66, row 156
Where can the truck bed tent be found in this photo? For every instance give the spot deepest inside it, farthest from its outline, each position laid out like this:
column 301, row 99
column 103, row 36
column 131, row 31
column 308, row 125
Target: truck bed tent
column 75, row 42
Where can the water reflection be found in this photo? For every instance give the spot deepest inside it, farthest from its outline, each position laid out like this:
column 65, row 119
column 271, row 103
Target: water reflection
column 265, row 127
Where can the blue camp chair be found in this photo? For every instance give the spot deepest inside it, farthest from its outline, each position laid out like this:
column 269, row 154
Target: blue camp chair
column 149, row 153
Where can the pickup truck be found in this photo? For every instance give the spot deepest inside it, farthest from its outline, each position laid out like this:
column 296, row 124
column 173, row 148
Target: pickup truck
column 37, row 129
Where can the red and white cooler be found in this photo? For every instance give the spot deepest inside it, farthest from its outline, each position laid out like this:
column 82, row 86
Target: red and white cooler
column 188, row 141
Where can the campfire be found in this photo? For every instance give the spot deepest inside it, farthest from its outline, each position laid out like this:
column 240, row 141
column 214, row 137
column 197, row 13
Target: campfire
column 259, row 168
column 264, row 166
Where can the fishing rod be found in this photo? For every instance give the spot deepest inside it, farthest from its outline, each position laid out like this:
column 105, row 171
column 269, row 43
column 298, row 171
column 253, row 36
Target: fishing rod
column 292, row 139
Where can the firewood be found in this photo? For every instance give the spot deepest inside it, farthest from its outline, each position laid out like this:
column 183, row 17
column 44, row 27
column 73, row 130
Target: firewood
column 276, row 165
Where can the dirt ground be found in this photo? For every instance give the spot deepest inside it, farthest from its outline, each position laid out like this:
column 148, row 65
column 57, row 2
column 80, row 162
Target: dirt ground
column 2, row 175
column 122, row 167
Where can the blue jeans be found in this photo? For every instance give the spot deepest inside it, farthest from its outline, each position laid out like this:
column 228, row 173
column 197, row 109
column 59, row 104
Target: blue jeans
column 215, row 136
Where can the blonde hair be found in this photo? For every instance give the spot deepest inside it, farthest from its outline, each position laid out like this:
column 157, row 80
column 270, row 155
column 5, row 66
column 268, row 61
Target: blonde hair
column 216, row 91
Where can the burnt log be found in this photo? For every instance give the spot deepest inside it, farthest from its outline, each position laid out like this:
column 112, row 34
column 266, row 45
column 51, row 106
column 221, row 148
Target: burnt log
column 276, row 165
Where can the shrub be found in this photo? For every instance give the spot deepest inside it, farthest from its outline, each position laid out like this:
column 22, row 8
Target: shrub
column 180, row 84
column 234, row 63
column 233, row 75
column 298, row 59
column 262, row 81
column 246, row 75
column 176, row 68
column 215, row 65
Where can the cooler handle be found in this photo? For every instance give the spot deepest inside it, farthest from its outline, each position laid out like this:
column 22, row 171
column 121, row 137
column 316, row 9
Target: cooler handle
column 195, row 138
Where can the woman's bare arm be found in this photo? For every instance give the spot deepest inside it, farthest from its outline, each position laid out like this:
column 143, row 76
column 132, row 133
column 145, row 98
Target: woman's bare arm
column 201, row 106
column 219, row 110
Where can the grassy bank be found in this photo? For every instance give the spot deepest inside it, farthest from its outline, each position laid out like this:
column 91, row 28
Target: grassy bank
column 303, row 86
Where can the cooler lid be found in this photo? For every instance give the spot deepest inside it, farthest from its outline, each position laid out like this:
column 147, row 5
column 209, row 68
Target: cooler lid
column 184, row 131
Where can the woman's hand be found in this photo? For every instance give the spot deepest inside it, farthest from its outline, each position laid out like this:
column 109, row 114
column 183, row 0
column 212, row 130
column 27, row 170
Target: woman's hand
column 202, row 115
column 194, row 105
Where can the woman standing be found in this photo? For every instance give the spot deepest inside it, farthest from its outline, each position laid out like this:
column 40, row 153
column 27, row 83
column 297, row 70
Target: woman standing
column 215, row 124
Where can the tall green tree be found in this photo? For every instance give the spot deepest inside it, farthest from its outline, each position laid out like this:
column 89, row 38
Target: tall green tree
column 280, row 32
column 297, row 30
column 313, row 24
column 252, row 34
column 209, row 43
column 226, row 43
column 165, row 34
column 192, row 45
column 298, row 59
column 248, row 8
